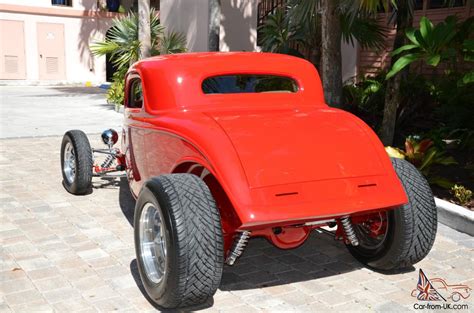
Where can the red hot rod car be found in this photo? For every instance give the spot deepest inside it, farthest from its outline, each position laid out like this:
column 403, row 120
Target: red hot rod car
column 222, row 147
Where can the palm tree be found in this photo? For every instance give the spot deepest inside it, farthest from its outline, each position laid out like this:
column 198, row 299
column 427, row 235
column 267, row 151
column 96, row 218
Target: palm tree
column 214, row 24
column 331, row 60
column 404, row 20
column 144, row 34
column 324, row 23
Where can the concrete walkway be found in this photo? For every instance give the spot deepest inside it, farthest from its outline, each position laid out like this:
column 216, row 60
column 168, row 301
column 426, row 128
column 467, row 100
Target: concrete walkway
column 27, row 111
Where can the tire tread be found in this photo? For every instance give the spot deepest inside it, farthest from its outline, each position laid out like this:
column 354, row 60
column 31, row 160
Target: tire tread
column 419, row 214
column 199, row 239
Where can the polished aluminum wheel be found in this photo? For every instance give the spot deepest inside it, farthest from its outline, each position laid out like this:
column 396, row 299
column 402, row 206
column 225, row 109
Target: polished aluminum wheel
column 69, row 163
column 153, row 242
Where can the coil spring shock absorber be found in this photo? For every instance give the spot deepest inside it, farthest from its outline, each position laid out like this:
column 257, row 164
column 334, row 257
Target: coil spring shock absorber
column 238, row 247
column 108, row 161
column 349, row 230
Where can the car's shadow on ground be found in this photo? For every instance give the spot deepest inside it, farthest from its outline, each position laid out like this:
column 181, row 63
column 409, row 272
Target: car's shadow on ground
column 263, row 265
column 126, row 201
column 107, row 182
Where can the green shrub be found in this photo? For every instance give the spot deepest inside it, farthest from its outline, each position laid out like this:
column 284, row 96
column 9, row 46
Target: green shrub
column 116, row 92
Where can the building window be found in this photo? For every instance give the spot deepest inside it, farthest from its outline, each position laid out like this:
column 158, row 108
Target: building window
column 67, row 3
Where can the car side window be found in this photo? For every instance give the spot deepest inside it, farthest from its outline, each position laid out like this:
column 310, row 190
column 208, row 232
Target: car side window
column 135, row 96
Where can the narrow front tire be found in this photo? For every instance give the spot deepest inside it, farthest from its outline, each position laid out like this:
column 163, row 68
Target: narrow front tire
column 76, row 162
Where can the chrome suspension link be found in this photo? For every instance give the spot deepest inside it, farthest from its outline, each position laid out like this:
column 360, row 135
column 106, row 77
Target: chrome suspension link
column 349, row 230
column 240, row 242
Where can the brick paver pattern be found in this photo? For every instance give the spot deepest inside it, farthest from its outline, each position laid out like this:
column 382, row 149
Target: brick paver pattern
column 66, row 253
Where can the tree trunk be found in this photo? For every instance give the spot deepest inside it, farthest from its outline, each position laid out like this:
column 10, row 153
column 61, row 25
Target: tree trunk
column 144, row 29
column 214, row 24
column 392, row 93
column 331, row 67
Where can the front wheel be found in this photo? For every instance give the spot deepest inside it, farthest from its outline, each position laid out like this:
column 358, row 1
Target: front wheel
column 407, row 233
column 76, row 162
column 178, row 240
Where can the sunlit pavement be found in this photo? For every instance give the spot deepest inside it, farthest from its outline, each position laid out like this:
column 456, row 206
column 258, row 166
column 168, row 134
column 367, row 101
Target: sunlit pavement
column 46, row 111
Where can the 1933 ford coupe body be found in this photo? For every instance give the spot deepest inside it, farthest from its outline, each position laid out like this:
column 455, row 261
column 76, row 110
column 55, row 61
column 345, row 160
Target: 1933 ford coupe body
column 222, row 147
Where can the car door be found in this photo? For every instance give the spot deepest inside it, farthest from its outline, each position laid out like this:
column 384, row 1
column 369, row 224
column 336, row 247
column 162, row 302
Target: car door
column 133, row 132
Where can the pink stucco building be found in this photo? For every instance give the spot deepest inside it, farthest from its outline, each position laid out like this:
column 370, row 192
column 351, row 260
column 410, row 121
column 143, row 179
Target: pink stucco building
column 48, row 40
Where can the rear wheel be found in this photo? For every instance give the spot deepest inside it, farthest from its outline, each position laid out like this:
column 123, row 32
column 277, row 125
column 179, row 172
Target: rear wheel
column 407, row 233
column 178, row 240
column 76, row 162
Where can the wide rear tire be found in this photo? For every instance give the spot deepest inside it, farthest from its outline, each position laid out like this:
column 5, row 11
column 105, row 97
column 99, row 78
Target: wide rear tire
column 411, row 228
column 76, row 162
column 178, row 241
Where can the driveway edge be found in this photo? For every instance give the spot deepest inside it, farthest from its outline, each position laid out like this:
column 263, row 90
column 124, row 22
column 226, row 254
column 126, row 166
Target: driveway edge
column 455, row 216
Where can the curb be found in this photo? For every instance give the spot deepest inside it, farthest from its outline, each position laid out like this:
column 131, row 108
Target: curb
column 455, row 216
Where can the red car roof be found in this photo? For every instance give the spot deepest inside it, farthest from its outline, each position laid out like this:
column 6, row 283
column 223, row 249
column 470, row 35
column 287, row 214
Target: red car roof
column 174, row 81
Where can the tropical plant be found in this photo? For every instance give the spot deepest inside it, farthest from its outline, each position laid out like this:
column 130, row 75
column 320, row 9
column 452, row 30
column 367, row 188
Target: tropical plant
column 462, row 194
column 423, row 154
column 278, row 34
column 171, row 43
column 365, row 97
column 322, row 23
column 116, row 91
column 123, row 45
column 447, row 42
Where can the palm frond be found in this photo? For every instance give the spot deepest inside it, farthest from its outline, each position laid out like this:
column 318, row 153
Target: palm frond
column 275, row 31
column 366, row 30
column 173, row 42
column 123, row 45
column 303, row 11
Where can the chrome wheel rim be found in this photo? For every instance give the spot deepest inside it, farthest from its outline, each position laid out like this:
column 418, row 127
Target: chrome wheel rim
column 366, row 240
column 152, row 242
column 69, row 163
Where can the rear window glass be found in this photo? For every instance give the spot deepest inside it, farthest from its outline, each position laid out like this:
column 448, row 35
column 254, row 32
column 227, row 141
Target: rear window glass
column 248, row 84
